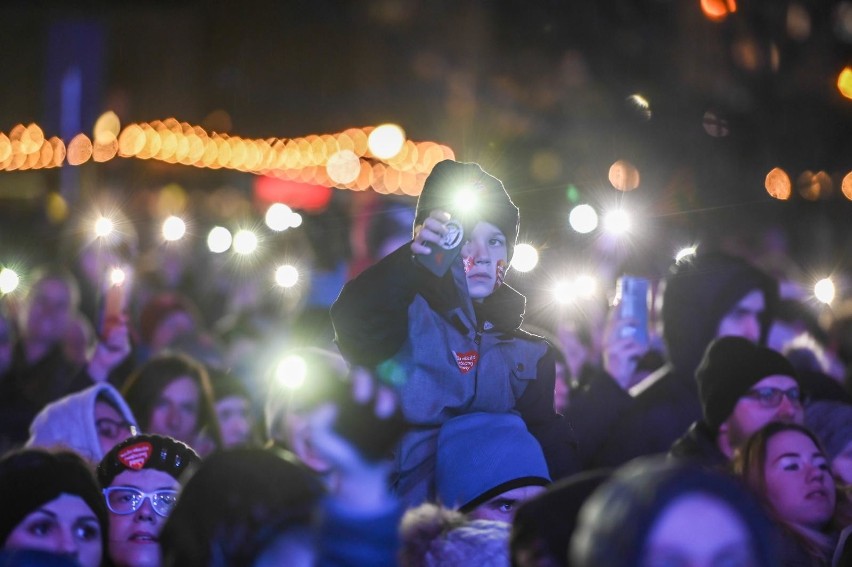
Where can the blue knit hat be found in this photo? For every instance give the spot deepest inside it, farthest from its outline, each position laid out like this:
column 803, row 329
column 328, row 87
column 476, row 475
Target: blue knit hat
column 481, row 455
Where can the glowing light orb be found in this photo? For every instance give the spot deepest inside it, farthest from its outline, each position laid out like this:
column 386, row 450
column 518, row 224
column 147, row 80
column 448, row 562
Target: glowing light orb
column 583, row 219
column 386, row 141
column 295, row 220
column 624, row 176
column 291, row 372
column 568, row 291
column 9, row 280
column 174, row 228
column 778, row 184
column 219, row 239
column 245, row 242
column 278, row 217
column 466, row 200
column 685, row 253
column 117, row 276
column 617, row 222
column 824, row 290
column 525, row 258
column 343, row 167
column 103, row 227
column 286, row 276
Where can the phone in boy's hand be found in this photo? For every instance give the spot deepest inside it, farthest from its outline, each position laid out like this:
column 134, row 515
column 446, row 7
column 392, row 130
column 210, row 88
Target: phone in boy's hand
column 445, row 252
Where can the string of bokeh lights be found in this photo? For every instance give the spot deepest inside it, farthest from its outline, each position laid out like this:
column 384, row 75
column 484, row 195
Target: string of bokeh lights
column 373, row 157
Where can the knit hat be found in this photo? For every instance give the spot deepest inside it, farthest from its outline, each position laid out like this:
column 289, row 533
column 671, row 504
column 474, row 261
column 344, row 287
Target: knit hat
column 481, row 455
column 147, row 452
column 31, row 478
column 494, row 204
column 729, row 368
column 69, row 422
column 832, row 422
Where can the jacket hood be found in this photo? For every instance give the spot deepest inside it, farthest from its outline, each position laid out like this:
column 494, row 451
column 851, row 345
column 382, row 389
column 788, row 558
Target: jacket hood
column 700, row 290
column 70, row 421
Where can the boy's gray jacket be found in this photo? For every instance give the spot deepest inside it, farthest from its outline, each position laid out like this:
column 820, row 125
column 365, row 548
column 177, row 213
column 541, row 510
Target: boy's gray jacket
column 447, row 359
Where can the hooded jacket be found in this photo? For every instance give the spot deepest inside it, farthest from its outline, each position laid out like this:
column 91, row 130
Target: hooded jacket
column 700, row 291
column 69, row 422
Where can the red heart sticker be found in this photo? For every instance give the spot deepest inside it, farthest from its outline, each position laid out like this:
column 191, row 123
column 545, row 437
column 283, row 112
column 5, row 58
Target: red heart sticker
column 135, row 456
column 466, row 360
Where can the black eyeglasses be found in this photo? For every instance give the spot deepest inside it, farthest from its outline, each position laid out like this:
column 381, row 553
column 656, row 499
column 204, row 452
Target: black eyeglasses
column 771, row 397
column 111, row 428
column 125, row 500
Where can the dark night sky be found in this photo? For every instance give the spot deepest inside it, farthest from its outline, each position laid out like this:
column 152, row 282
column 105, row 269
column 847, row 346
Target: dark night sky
column 535, row 90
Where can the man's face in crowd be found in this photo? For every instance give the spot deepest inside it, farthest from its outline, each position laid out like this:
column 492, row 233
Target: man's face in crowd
column 234, row 413
column 750, row 415
column 744, row 319
column 502, row 507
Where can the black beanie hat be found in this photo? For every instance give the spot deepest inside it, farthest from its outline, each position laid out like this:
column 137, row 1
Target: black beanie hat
column 147, row 452
column 495, row 205
column 33, row 477
column 730, row 367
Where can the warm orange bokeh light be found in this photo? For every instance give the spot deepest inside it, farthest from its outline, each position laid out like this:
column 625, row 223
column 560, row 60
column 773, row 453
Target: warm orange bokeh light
column 31, row 139
column 846, row 186
column 131, row 141
column 106, row 147
column 718, row 10
column 79, row 149
column 778, row 184
column 844, row 82
column 624, row 176
column 5, row 147
column 58, row 151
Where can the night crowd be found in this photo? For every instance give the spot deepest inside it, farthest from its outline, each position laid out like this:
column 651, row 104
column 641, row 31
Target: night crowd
column 415, row 418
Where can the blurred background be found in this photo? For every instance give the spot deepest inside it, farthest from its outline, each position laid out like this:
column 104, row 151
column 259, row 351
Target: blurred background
column 702, row 121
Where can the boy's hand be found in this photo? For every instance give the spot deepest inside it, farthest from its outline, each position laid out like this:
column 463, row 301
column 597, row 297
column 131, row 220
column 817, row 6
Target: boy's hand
column 432, row 230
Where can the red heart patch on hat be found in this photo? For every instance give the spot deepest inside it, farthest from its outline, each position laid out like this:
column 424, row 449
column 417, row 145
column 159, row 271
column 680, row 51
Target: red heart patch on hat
column 466, row 360
column 135, row 456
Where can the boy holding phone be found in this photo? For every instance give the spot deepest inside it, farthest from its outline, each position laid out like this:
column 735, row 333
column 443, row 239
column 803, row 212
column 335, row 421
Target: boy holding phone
column 437, row 321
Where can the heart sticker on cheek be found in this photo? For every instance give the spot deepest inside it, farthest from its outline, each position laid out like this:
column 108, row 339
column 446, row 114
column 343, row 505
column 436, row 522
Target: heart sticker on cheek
column 135, row 456
column 501, row 273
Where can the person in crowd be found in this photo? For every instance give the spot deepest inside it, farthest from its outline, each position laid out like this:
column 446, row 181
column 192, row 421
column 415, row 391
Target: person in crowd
column 289, row 406
column 657, row 512
column 50, row 501
column 234, row 410
column 785, row 465
column 252, row 506
column 707, row 295
column 452, row 344
column 487, row 465
column 89, row 422
column 165, row 319
column 543, row 526
column 41, row 372
column 239, row 504
column 832, row 423
column 141, row 479
column 433, row 536
column 742, row 387
column 170, row 395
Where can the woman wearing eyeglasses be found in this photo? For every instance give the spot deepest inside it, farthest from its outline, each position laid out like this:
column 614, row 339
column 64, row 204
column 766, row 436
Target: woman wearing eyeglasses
column 784, row 463
column 141, row 479
column 89, row 422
